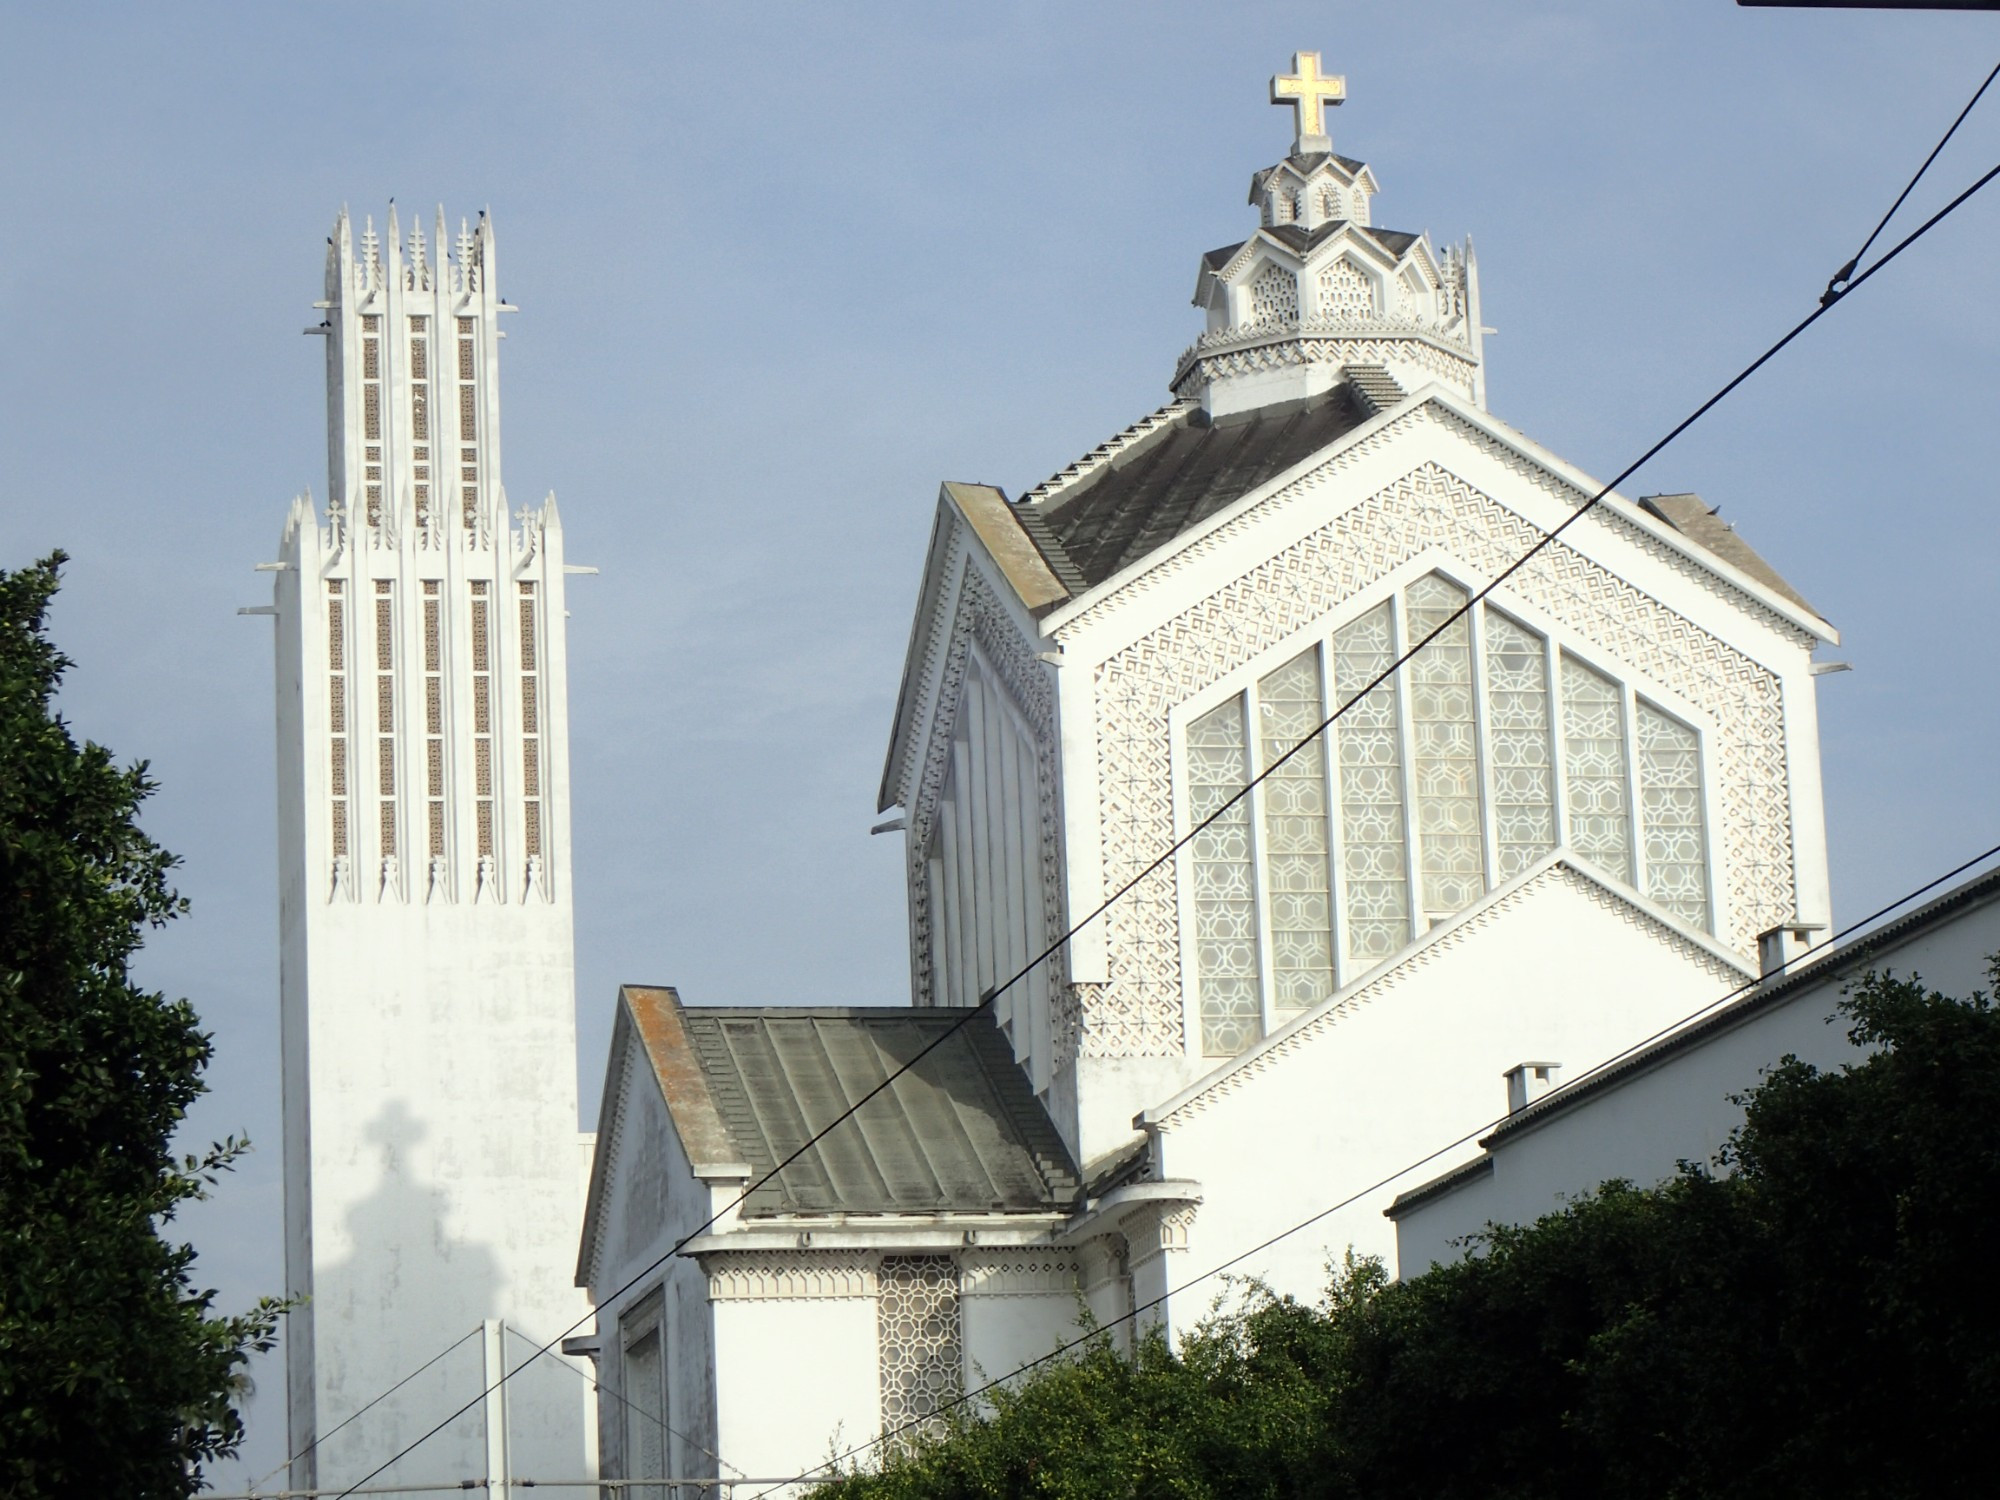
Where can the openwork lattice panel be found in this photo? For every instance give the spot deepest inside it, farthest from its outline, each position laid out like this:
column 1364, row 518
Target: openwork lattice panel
column 922, row 1349
column 1274, row 296
column 1140, row 1012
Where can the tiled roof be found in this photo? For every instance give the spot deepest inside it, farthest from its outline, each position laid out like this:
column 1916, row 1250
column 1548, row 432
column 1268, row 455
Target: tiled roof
column 960, row 1132
column 1299, row 241
column 1177, row 476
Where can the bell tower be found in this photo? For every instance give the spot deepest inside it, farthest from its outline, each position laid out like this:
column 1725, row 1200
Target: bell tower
column 432, row 1177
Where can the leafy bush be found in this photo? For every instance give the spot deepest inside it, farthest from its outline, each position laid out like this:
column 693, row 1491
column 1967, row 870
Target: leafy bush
column 1815, row 1314
column 115, row 1378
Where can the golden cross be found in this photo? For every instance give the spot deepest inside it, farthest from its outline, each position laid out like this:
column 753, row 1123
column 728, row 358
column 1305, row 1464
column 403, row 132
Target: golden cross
column 1307, row 90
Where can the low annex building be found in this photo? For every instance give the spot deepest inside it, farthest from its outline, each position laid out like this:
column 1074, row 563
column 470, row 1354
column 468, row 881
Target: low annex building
column 1562, row 825
column 1677, row 1099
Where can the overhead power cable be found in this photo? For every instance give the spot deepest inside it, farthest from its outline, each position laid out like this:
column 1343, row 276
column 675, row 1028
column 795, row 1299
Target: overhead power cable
column 1804, row 961
column 658, row 1421
column 986, row 1000
column 1839, row 285
column 384, row 1396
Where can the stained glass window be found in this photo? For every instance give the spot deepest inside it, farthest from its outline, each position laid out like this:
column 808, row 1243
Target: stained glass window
column 1444, row 752
column 1595, row 795
column 1670, row 811
column 1225, row 901
column 1298, row 894
column 1374, row 855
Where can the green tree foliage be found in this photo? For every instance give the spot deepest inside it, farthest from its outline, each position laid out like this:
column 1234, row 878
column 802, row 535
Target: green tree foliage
column 1819, row 1318
column 115, row 1376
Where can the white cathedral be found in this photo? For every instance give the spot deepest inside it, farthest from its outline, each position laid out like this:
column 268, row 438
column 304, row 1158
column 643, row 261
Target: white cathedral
column 1565, row 825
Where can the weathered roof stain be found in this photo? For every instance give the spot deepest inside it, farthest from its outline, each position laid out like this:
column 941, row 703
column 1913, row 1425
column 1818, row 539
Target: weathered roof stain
column 961, row 1131
column 1178, row 476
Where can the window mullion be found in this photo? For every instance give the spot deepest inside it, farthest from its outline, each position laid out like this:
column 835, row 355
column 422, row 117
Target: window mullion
column 1633, row 794
column 1558, row 751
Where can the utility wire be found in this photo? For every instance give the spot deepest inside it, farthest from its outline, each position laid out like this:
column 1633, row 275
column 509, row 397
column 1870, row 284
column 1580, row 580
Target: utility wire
column 322, row 1437
column 1175, row 847
column 1838, row 286
column 1807, row 960
column 595, row 1384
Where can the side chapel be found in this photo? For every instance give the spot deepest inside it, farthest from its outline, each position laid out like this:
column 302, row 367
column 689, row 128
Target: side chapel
column 1561, row 827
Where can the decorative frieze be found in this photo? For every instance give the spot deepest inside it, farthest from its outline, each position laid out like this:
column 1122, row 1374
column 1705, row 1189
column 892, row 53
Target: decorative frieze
column 791, row 1275
column 1019, row 1273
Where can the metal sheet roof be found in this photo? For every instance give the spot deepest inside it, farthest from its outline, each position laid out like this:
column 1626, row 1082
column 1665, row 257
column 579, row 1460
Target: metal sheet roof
column 1180, row 475
column 960, row 1132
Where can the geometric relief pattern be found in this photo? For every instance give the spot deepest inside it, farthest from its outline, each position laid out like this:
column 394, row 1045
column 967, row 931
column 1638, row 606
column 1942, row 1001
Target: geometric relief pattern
column 1524, row 811
column 1295, row 849
column 1445, row 756
column 1225, row 898
column 922, row 1351
column 1345, row 292
column 1374, row 853
column 1600, row 814
column 1274, row 296
column 980, row 617
column 1139, row 1012
column 1670, row 808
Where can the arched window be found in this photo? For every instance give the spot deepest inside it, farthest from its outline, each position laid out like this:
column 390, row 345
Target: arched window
column 1492, row 748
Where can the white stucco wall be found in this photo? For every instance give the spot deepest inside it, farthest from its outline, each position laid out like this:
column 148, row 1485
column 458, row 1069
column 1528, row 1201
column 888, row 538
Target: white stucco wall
column 1678, row 1107
column 651, row 1202
column 796, row 1381
column 1555, row 968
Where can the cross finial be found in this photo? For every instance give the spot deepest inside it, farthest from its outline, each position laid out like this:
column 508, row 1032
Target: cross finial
column 1308, row 91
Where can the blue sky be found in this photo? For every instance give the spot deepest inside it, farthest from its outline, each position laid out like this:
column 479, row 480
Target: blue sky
column 783, row 268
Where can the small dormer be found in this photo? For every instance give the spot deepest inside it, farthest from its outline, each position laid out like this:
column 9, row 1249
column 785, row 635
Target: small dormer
column 1313, row 190
column 1318, row 286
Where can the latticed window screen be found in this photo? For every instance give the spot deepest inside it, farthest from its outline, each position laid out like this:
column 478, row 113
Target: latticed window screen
column 1299, row 889
column 1225, row 896
column 1599, row 803
column 1345, row 291
column 433, row 719
column 1670, row 812
column 531, row 742
column 1375, row 854
column 920, row 1342
column 385, row 712
column 1274, row 296
column 1520, row 744
column 1439, row 783
column 482, row 718
column 1444, row 752
column 336, row 661
column 468, row 422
